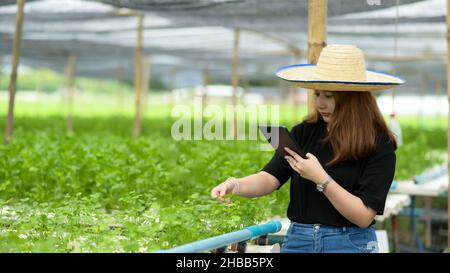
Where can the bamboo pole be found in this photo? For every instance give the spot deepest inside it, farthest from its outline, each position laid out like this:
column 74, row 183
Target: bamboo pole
column 70, row 80
column 235, row 78
column 124, row 12
column 448, row 139
column 317, row 35
column 138, row 77
column 15, row 63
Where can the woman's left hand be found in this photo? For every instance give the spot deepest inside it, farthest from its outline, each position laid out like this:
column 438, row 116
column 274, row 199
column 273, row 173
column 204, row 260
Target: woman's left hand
column 310, row 168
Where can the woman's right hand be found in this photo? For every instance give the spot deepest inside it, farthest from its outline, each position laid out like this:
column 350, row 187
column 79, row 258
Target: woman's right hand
column 221, row 190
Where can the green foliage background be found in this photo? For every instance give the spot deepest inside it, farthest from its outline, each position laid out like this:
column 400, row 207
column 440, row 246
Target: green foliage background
column 100, row 190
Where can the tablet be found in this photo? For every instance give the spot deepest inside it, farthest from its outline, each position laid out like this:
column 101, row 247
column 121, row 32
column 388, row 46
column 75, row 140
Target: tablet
column 278, row 137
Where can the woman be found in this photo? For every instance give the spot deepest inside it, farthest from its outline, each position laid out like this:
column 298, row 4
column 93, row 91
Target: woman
column 342, row 185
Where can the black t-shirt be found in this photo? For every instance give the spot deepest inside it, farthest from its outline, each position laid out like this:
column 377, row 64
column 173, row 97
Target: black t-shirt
column 369, row 178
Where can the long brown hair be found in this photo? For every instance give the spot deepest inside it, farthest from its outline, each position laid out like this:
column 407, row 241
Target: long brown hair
column 354, row 126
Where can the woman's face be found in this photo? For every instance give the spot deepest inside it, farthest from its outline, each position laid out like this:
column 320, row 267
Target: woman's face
column 325, row 104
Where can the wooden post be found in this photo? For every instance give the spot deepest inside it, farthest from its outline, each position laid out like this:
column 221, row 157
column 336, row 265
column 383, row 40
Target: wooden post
column 448, row 139
column 70, row 80
column 138, row 77
column 235, row 78
column 15, row 64
column 317, row 35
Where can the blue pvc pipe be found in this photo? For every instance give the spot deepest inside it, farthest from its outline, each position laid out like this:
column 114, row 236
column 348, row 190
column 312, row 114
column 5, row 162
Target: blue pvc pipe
column 227, row 239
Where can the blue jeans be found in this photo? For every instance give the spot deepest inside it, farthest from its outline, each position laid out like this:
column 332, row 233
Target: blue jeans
column 317, row 238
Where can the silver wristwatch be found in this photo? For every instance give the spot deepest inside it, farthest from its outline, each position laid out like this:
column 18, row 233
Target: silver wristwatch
column 322, row 186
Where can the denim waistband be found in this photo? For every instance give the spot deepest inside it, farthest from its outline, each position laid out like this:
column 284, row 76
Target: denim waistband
column 328, row 228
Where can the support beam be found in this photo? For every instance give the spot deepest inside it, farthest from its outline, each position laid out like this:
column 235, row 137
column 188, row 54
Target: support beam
column 15, row 63
column 235, row 78
column 70, row 82
column 138, row 77
column 317, row 35
column 124, row 12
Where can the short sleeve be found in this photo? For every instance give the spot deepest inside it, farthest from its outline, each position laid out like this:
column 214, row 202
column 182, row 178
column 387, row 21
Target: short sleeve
column 278, row 166
column 376, row 179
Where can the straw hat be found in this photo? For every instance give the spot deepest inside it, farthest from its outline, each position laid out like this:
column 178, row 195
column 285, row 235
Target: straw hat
column 339, row 68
